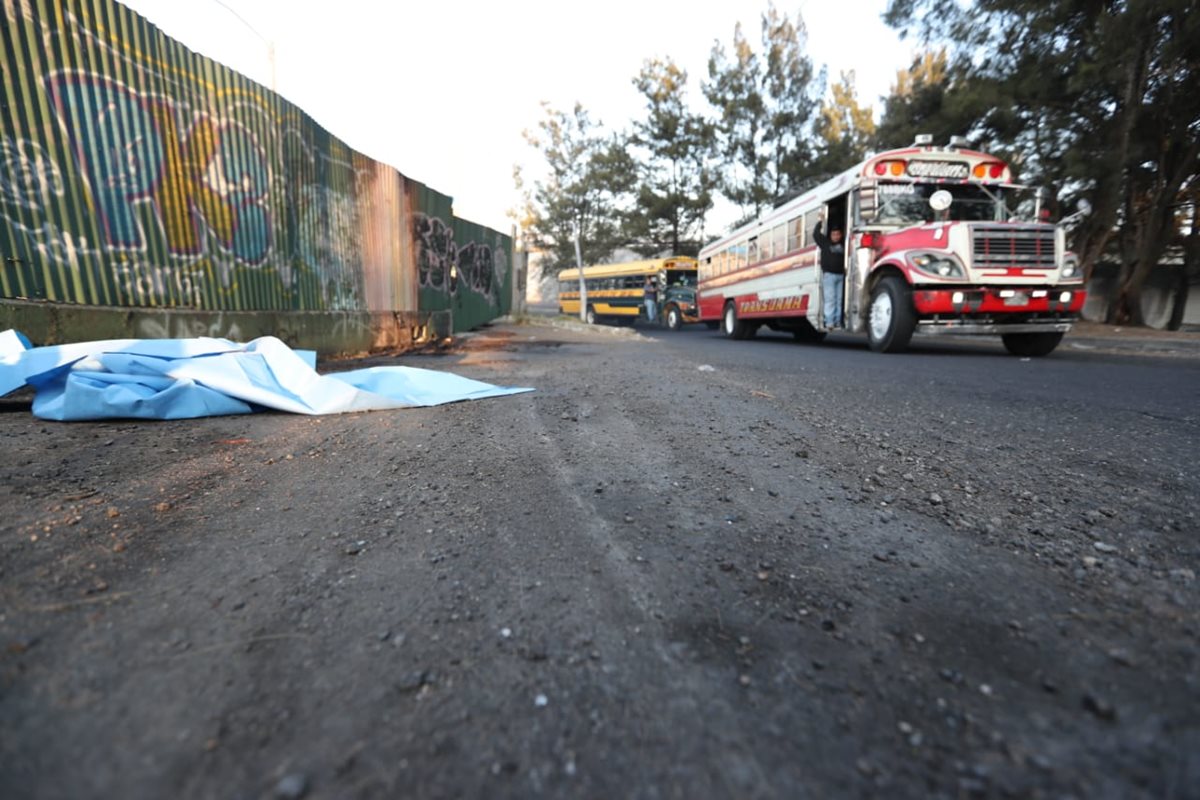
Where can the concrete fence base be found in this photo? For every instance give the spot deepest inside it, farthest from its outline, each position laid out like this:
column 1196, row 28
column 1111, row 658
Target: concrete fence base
column 1160, row 295
column 329, row 333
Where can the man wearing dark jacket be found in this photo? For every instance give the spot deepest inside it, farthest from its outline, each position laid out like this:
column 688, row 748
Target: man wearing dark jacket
column 833, row 272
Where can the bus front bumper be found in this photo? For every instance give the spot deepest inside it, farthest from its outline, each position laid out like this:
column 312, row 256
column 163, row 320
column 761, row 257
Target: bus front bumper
column 999, row 301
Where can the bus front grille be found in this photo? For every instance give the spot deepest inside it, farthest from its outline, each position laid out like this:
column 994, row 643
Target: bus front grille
column 1009, row 246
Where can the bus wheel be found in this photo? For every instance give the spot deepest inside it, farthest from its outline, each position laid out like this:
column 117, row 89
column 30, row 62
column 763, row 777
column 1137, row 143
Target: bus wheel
column 591, row 316
column 891, row 320
column 733, row 327
column 674, row 318
column 1031, row 345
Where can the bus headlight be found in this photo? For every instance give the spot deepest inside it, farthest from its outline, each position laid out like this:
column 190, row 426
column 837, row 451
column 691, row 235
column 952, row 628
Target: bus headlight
column 943, row 265
column 1070, row 268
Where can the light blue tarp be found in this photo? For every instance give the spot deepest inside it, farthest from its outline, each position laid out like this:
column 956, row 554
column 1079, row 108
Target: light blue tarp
column 187, row 378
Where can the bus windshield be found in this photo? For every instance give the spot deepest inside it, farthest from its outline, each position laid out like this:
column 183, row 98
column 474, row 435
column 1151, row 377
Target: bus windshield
column 908, row 203
column 681, row 277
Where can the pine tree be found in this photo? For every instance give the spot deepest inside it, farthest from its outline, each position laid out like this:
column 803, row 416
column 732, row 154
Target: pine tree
column 675, row 183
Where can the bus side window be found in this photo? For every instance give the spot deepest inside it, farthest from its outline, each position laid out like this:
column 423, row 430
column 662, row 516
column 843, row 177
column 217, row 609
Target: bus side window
column 810, row 221
column 779, row 240
column 795, row 233
column 752, row 251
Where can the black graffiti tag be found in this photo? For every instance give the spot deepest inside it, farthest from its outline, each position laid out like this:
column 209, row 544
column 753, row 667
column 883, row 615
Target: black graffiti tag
column 436, row 253
column 441, row 264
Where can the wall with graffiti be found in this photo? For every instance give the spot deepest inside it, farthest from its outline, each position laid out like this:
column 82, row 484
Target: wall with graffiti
column 137, row 173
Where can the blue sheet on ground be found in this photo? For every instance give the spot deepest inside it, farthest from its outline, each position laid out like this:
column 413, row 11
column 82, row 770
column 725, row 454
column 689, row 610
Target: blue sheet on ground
column 187, row 378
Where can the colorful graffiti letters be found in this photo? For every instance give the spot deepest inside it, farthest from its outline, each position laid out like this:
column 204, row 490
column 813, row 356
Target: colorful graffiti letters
column 133, row 151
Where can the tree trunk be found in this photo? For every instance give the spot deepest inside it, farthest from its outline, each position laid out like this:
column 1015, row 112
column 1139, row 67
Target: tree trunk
column 1181, row 296
column 1153, row 226
column 1149, row 241
column 1108, row 195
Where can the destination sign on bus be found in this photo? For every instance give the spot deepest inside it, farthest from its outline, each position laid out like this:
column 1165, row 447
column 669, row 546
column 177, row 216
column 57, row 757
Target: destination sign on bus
column 938, row 169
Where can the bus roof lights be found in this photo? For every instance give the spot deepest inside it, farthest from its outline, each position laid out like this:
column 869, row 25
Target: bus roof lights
column 897, row 167
column 959, row 141
column 923, row 140
column 989, row 169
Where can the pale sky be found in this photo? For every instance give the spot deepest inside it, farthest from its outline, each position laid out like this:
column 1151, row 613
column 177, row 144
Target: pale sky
column 441, row 90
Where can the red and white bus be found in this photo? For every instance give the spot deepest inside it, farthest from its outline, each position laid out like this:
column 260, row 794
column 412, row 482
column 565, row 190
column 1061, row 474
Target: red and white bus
column 937, row 239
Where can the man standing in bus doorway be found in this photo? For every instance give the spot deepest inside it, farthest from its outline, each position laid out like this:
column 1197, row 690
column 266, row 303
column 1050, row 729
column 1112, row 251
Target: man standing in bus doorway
column 650, row 298
column 833, row 272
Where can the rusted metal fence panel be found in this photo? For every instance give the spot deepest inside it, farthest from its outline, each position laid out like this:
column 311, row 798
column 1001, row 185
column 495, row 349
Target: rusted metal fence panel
column 137, row 173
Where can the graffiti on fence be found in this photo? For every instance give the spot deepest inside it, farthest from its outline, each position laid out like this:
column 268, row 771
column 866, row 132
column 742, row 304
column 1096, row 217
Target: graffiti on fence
column 134, row 172
column 445, row 266
column 205, row 174
column 29, row 178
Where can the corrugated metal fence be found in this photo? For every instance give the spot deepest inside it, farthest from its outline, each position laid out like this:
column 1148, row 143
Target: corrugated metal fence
column 137, row 173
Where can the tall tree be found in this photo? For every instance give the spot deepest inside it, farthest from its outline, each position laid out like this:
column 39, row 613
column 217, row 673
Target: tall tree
column 733, row 90
column 764, row 103
column 918, row 104
column 793, row 91
column 1097, row 98
column 844, row 131
column 675, row 183
column 588, row 177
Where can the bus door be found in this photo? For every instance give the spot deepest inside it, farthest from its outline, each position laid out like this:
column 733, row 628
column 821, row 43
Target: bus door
column 857, row 268
column 837, row 217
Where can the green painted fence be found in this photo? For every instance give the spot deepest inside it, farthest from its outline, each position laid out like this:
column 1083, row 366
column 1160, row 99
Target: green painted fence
column 135, row 173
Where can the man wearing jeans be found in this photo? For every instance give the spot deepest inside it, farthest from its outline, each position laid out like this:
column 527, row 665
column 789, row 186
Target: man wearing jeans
column 650, row 298
column 833, row 272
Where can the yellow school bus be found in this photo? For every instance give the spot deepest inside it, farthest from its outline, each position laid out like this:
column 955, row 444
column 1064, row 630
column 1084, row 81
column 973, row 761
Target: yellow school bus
column 615, row 294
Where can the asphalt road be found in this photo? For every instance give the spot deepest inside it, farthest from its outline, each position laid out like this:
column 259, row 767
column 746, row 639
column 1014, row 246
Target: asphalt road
column 683, row 567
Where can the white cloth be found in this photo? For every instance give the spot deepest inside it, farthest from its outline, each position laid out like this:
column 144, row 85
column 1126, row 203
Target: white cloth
column 187, row 378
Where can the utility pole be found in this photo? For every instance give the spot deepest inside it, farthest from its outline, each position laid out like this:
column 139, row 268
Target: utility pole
column 582, row 282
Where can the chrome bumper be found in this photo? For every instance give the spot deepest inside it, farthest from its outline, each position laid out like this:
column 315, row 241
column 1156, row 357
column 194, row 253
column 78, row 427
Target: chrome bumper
column 950, row 327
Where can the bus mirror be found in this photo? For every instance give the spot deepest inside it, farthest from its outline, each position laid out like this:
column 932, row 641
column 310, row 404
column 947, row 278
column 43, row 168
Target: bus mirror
column 940, row 200
column 1083, row 206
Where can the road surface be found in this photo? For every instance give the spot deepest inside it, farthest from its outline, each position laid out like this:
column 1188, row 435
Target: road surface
column 684, row 567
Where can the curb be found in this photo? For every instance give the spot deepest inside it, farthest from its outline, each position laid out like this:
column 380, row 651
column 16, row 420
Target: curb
column 574, row 325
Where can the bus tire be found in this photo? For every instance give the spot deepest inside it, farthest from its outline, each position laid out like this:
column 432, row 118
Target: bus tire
column 891, row 319
column 731, row 326
column 591, row 316
column 1031, row 345
column 674, row 318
